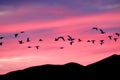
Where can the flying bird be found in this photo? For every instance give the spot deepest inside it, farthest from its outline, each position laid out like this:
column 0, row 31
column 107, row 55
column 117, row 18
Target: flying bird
column 61, row 47
column 95, row 28
column 1, row 43
column 16, row 35
column 22, row 32
column 71, row 42
column 1, row 37
column 70, row 38
column 56, row 39
column 37, row 47
column 29, row 47
column 28, row 39
column 40, row 40
column 102, row 32
column 20, row 42
column 93, row 41
column 61, row 37
column 88, row 41
column 117, row 34
column 79, row 40
column 115, row 39
column 101, row 42
column 110, row 37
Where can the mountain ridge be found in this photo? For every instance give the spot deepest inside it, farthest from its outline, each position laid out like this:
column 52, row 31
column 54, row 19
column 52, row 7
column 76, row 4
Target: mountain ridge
column 103, row 69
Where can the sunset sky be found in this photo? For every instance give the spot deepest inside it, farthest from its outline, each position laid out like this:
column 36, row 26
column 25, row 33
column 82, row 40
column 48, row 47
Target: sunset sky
column 48, row 19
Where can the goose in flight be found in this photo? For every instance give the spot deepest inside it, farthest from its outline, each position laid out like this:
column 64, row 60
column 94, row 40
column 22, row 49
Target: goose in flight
column 1, row 37
column 101, row 42
column 20, row 42
column 28, row 39
column 79, row 40
column 102, row 32
column 1, row 43
column 88, row 41
column 40, row 40
column 95, row 28
column 22, row 32
column 117, row 34
column 37, row 47
column 71, row 42
column 70, row 38
column 56, row 39
column 29, row 47
column 61, row 37
column 61, row 47
column 110, row 37
column 93, row 41
column 115, row 39
column 16, row 35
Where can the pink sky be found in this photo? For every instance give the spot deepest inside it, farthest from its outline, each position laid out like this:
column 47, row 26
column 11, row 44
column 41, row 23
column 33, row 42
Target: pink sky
column 48, row 21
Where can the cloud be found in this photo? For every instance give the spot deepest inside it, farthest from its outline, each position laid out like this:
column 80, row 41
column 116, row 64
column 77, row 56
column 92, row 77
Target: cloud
column 104, row 18
column 25, row 10
column 30, row 13
column 107, row 7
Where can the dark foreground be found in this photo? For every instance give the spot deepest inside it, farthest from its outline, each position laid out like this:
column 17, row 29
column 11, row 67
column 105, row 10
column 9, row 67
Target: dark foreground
column 106, row 69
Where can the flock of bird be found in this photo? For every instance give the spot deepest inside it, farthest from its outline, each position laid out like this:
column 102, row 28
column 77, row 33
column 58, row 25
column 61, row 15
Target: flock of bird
column 93, row 41
column 69, row 38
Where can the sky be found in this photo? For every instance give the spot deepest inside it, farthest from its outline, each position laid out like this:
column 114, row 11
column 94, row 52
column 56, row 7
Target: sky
column 49, row 19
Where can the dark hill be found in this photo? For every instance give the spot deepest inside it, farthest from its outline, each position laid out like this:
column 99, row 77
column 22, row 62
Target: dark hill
column 105, row 69
column 102, row 70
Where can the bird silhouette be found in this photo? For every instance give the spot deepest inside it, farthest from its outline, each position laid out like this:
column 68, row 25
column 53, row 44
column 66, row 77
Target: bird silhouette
column 88, row 41
column 16, row 35
column 22, row 32
column 115, row 39
column 71, row 42
column 102, row 32
column 79, row 40
column 29, row 47
column 37, row 47
column 110, row 37
column 61, row 37
column 95, row 28
column 56, row 39
column 93, row 41
column 61, row 47
column 117, row 34
column 1, row 43
column 20, row 42
column 101, row 42
column 28, row 39
column 40, row 40
column 70, row 38
column 1, row 37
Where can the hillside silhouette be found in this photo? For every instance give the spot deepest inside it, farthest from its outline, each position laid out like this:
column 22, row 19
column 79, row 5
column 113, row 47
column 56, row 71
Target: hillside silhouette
column 108, row 68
